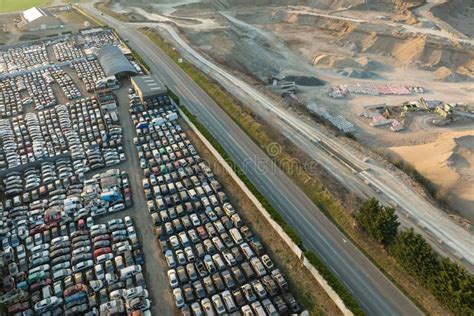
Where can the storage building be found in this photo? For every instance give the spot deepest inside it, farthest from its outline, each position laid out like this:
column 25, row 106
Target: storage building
column 37, row 19
column 114, row 62
column 148, row 87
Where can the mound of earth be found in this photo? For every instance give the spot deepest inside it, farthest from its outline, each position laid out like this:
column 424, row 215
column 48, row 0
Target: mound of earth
column 372, row 65
column 363, row 65
column 356, row 73
column 447, row 75
column 458, row 13
column 449, row 164
column 305, row 81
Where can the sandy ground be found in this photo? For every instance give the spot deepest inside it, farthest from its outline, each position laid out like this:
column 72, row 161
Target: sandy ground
column 449, row 163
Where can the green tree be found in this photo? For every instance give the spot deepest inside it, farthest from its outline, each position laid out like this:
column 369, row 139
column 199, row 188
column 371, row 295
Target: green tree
column 454, row 287
column 379, row 221
column 415, row 255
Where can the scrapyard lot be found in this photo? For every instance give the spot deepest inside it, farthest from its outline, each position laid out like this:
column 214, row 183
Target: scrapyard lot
column 215, row 263
column 64, row 249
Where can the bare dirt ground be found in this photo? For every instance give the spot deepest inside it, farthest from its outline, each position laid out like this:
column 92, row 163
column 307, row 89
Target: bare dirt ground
column 345, row 42
column 449, row 163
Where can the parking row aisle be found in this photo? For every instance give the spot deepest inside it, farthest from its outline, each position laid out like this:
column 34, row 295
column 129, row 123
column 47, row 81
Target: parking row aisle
column 215, row 264
column 155, row 271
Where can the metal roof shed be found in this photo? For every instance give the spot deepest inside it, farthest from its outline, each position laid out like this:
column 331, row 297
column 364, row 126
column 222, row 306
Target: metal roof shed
column 114, row 62
column 148, row 87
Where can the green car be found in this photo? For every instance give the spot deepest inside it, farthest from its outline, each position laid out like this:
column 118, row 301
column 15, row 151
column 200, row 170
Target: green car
column 37, row 276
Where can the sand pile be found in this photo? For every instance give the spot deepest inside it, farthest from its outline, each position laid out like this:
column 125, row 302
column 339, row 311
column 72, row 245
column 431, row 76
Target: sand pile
column 361, row 67
column 447, row 75
column 356, row 73
column 422, row 50
column 449, row 164
column 335, row 62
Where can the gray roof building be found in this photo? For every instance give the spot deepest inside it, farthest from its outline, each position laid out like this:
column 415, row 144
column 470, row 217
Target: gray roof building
column 36, row 19
column 148, row 87
column 114, row 62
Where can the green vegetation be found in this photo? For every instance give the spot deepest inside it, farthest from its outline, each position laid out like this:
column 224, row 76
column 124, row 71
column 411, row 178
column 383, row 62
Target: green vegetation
column 88, row 17
column 19, row 5
column 104, row 7
column 451, row 284
column 379, row 221
column 340, row 289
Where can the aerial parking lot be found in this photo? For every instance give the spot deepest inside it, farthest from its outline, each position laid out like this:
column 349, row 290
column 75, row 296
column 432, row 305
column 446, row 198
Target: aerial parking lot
column 107, row 207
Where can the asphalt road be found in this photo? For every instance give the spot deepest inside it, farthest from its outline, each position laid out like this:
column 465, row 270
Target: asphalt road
column 376, row 294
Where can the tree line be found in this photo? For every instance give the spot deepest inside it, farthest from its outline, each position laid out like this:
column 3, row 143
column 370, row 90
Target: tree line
column 450, row 283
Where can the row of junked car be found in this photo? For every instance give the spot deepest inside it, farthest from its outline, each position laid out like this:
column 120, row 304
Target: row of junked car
column 67, row 84
column 216, row 264
column 25, row 57
column 67, row 50
column 11, row 101
column 57, row 261
column 79, row 268
column 78, row 128
column 90, row 72
column 34, row 137
column 33, row 183
column 101, row 137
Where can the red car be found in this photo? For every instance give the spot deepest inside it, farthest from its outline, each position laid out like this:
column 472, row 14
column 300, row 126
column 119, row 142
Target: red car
column 81, row 223
column 74, row 289
column 102, row 251
column 38, row 229
column 39, row 285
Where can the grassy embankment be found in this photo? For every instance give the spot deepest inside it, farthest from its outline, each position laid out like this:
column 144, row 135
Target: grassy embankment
column 20, row 5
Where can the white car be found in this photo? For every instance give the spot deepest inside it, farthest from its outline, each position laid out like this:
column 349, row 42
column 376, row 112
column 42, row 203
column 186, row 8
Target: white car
column 173, row 278
column 98, row 212
column 63, row 265
column 178, row 297
column 170, row 259
column 104, row 257
column 135, row 292
column 99, row 271
column 61, row 274
column 117, row 294
column 48, row 304
column 116, row 208
column 83, row 265
column 96, row 285
column 128, row 221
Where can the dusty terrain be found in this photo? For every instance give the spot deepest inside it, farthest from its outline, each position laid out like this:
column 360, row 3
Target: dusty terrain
column 449, row 163
column 319, row 44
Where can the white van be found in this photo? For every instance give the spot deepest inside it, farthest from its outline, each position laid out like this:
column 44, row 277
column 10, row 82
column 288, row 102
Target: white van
column 116, row 208
column 229, row 301
column 129, row 271
column 236, row 236
column 46, row 291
